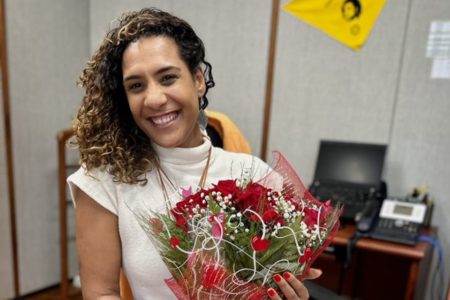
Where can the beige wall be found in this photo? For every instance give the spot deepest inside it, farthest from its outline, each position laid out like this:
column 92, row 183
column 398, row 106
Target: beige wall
column 420, row 140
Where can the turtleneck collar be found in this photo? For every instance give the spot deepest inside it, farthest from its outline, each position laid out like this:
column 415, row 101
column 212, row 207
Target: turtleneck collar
column 183, row 156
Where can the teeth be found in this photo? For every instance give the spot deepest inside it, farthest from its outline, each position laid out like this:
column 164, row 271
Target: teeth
column 163, row 120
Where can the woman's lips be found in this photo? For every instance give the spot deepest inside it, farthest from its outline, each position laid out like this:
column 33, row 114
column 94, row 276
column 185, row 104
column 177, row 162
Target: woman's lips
column 164, row 120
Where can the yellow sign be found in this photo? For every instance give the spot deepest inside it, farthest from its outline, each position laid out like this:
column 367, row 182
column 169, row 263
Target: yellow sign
column 348, row 21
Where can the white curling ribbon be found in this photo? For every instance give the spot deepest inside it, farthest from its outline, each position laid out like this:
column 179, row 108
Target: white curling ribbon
column 293, row 234
column 260, row 219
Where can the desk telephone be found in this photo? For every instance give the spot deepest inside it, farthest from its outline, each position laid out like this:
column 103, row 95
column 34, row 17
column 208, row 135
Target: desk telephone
column 392, row 220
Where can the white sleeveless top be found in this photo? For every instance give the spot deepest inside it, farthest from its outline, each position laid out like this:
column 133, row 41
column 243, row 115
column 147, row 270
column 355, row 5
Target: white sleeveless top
column 141, row 262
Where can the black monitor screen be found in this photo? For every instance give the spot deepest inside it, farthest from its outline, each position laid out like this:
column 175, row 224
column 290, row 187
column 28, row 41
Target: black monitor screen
column 350, row 162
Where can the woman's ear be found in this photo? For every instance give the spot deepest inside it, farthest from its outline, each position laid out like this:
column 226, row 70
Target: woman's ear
column 200, row 84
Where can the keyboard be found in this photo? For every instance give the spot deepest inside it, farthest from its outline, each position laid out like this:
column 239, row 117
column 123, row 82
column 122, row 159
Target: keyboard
column 353, row 197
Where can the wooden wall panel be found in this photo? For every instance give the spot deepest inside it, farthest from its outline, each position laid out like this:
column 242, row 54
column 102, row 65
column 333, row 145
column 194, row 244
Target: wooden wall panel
column 6, row 264
column 8, row 255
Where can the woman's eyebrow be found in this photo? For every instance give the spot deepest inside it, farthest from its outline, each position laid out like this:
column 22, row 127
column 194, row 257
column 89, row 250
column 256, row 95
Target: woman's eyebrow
column 160, row 71
column 131, row 77
column 168, row 68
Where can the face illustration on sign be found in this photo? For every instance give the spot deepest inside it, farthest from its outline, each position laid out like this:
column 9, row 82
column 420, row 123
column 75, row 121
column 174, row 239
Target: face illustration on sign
column 351, row 9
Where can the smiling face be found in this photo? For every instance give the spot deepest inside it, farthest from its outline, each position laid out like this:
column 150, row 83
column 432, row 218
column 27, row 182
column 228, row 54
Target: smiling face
column 162, row 93
column 348, row 10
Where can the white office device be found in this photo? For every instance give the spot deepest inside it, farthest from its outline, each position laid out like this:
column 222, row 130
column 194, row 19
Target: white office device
column 400, row 221
column 404, row 211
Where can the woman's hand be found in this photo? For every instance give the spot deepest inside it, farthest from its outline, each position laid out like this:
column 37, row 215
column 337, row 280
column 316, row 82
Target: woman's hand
column 291, row 287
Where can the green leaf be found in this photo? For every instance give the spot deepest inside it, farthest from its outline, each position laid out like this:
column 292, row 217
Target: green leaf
column 213, row 206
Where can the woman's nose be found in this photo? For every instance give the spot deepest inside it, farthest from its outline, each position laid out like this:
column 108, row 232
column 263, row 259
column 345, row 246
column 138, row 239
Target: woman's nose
column 155, row 97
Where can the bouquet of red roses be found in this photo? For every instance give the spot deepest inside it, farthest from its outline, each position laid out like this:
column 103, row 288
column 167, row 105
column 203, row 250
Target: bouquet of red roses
column 227, row 242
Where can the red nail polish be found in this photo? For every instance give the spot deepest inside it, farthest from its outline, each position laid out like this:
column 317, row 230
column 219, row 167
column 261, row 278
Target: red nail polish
column 277, row 278
column 271, row 292
column 286, row 275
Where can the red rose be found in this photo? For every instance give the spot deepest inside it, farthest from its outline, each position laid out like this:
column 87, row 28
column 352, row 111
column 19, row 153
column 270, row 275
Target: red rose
column 280, row 220
column 186, row 206
column 312, row 215
column 227, row 187
column 183, row 209
column 254, row 197
column 269, row 215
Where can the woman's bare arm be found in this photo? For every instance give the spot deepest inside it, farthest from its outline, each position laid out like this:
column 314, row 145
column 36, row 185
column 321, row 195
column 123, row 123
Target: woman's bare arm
column 99, row 249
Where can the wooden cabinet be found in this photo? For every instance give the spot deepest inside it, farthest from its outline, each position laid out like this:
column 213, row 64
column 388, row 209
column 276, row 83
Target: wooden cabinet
column 377, row 269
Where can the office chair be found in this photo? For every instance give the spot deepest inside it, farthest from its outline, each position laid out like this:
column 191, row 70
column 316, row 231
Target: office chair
column 224, row 133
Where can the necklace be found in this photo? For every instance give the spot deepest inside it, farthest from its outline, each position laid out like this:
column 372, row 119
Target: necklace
column 162, row 175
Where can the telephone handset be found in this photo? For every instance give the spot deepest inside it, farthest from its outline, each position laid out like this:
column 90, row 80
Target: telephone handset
column 366, row 219
column 396, row 221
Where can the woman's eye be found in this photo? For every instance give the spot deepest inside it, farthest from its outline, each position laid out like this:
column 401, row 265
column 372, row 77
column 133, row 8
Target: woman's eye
column 134, row 86
column 168, row 79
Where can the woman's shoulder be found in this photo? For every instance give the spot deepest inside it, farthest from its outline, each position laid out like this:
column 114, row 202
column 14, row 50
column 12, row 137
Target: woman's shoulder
column 95, row 174
column 97, row 184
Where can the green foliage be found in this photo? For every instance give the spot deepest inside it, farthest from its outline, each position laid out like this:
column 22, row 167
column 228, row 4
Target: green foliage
column 172, row 257
column 213, row 206
column 239, row 253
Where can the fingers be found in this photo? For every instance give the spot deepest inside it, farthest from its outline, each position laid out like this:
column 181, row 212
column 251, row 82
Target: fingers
column 313, row 273
column 273, row 294
column 297, row 285
column 291, row 287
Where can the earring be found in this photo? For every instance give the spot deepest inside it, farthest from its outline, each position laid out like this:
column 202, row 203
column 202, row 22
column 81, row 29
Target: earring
column 202, row 102
column 202, row 119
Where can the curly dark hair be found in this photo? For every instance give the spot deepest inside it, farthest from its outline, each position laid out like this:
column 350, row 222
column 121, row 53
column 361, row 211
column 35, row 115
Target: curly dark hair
column 105, row 132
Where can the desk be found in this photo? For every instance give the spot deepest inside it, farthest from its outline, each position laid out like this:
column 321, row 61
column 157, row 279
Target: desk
column 378, row 269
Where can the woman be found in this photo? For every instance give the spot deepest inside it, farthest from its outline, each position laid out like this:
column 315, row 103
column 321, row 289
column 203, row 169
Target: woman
column 140, row 139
